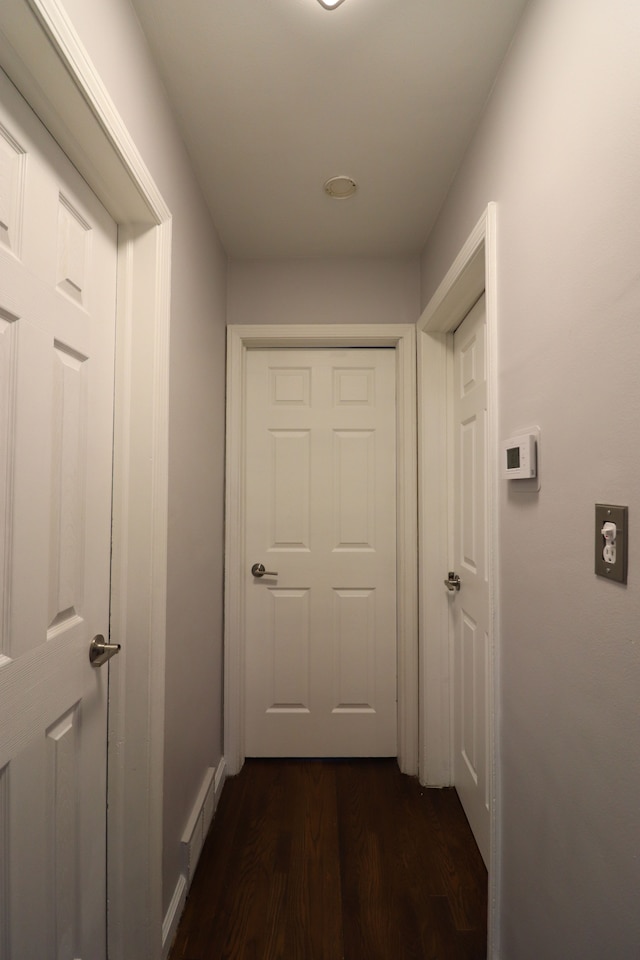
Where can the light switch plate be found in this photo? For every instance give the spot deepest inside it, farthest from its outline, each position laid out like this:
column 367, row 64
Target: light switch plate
column 608, row 512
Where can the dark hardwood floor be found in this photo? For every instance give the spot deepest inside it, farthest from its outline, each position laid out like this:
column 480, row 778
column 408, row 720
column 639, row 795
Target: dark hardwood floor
column 335, row 860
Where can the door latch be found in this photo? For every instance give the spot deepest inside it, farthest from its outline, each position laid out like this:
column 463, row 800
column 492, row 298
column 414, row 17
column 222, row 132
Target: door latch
column 452, row 582
column 100, row 651
column 258, row 570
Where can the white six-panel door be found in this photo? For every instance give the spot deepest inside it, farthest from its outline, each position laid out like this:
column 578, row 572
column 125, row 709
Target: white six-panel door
column 320, row 661
column 471, row 603
column 57, row 330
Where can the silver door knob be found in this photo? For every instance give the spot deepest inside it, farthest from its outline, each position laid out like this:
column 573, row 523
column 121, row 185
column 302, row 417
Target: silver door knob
column 452, row 582
column 258, row 570
column 100, row 652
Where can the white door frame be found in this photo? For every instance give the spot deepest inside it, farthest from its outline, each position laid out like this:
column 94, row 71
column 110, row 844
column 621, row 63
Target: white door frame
column 41, row 52
column 472, row 273
column 401, row 337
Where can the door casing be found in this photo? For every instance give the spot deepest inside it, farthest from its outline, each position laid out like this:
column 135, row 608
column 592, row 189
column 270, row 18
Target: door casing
column 472, row 273
column 43, row 55
column 401, row 338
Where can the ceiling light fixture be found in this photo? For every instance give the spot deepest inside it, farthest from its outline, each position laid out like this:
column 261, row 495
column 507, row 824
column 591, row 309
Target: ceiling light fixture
column 340, row 187
column 330, row 4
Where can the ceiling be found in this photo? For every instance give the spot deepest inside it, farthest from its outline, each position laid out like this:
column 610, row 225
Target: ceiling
column 276, row 96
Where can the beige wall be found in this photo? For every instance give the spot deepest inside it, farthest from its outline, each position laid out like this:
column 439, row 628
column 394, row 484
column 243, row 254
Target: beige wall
column 324, row 291
column 193, row 727
column 559, row 151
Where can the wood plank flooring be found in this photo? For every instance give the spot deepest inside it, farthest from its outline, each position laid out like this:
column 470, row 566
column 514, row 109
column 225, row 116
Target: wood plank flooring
column 335, row 860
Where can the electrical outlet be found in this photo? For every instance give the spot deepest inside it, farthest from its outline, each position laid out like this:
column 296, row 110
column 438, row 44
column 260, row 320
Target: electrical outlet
column 611, row 542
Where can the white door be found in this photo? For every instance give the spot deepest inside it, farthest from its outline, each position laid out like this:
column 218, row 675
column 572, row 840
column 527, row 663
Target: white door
column 471, row 602
column 321, row 518
column 57, row 329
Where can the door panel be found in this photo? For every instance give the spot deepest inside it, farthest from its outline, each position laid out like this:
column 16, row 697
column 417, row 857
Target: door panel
column 471, row 604
column 320, row 513
column 57, row 338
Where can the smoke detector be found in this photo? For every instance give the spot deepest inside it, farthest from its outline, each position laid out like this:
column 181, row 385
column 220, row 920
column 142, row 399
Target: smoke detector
column 340, row 188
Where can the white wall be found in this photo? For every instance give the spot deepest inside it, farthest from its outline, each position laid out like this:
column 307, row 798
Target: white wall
column 324, row 291
column 559, row 150
column 111, row 34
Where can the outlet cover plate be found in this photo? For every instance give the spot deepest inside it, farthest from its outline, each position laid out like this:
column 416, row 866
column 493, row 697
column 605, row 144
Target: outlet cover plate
column 620, row 516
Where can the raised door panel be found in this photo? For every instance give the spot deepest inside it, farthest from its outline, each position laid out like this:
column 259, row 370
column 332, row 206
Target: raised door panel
column 8, row 379
column 287, row 635
column 27, row 510
column 287, row 476
column 12, row 170
column 289, row 386
column 73, row 252
column 68, row 460
column 354, row 461
column 354, row 651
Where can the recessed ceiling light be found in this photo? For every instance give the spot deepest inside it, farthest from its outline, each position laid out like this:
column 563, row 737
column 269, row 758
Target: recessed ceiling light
column 330, row 4
column 340, row 187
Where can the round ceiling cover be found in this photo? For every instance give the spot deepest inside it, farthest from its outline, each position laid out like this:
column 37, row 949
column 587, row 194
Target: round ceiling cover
column 340, row 187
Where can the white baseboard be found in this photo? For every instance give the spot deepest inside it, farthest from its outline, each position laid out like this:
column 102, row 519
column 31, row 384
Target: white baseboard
column 173, row 914
column 192, row 842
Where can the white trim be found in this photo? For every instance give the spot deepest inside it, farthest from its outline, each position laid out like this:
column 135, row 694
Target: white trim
column 472, row 273
column 221, row 776
column 136, row 714
column 198, row 824
column 193, row 838
column 402, row 338
column 201, row 817
column 173, row 914
column 44, row 57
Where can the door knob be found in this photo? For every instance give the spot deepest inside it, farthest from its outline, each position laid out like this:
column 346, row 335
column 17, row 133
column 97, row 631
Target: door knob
column 452, row 582
column 100, row 652
column 258, row 570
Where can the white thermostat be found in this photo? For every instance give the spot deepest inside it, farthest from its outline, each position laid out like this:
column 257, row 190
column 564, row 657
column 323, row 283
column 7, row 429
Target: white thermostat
column 519, row 457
